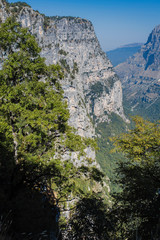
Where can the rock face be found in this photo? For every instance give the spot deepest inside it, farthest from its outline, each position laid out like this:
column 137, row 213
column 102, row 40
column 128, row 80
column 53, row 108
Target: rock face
column 141, row 73
column 91, row 86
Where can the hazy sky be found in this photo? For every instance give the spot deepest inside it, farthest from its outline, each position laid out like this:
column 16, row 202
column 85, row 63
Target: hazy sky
column 116, row 22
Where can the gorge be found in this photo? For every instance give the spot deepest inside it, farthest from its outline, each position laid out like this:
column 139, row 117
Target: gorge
column 56, row 102
column 91, row 87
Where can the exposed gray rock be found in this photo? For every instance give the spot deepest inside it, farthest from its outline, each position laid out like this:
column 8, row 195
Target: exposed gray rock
column 140, row 75
column 91, row 87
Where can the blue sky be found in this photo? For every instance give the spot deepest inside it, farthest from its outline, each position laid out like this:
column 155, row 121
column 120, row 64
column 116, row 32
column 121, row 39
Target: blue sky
column 116, row 22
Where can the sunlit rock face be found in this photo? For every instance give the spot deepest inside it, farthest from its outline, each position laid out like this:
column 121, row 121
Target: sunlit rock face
column 140, row 76
column 91, row 87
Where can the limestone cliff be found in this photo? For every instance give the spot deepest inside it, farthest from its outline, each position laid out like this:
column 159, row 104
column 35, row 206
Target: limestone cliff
column 91, row 87
column 140, row 76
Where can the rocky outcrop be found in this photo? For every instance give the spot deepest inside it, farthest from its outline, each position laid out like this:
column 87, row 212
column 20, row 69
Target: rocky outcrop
column 92, row 81
column 91, row 87
column 140, row 75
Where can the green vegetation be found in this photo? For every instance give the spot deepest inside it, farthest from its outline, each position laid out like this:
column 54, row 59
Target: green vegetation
column 37, row 183
column 65, row 65
column 105, row 157
column 19, row 4
column 46, row 22
column 62, row 52
column 90, row 220
column 15, row 8
column 67, row 70
column 96, row 89
column 34, row 136
column 149, row 112
column 75, row 68
column 136, row 210
column 61, row 17
column 69, row 18
column 111, row 81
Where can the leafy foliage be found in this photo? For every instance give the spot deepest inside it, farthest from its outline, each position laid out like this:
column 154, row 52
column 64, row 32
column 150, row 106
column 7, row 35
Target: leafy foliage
column 34, row 136
column 137, row 205
column 90, row 220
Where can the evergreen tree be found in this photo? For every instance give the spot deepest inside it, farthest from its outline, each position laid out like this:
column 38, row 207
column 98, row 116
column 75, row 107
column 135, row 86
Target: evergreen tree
column 34, row 136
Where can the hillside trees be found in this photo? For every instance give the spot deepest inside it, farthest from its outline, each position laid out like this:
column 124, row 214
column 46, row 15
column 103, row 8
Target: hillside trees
column 90, row 220
column 137, row 207
column 34, row 136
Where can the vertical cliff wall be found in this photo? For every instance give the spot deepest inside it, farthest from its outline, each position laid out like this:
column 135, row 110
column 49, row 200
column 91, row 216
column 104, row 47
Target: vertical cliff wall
column 140, row 77
column 91, row 87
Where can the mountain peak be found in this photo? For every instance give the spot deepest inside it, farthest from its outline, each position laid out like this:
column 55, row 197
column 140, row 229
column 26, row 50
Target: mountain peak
column 140, row 75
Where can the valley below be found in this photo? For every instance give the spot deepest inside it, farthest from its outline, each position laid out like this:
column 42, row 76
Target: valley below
column 76, row 162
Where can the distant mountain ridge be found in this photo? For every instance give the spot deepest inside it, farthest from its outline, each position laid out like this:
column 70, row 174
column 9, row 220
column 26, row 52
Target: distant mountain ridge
column 121, row 54
column 140, row 76
column 132, row 45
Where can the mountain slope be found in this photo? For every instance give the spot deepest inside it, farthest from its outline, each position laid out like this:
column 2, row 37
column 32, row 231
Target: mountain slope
column 140, row 76
column 91, row 87
column 121, row 54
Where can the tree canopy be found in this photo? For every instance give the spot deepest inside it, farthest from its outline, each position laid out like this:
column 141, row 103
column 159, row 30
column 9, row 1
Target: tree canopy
column 35, row 136
column 136, row 210
column 90, row 220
